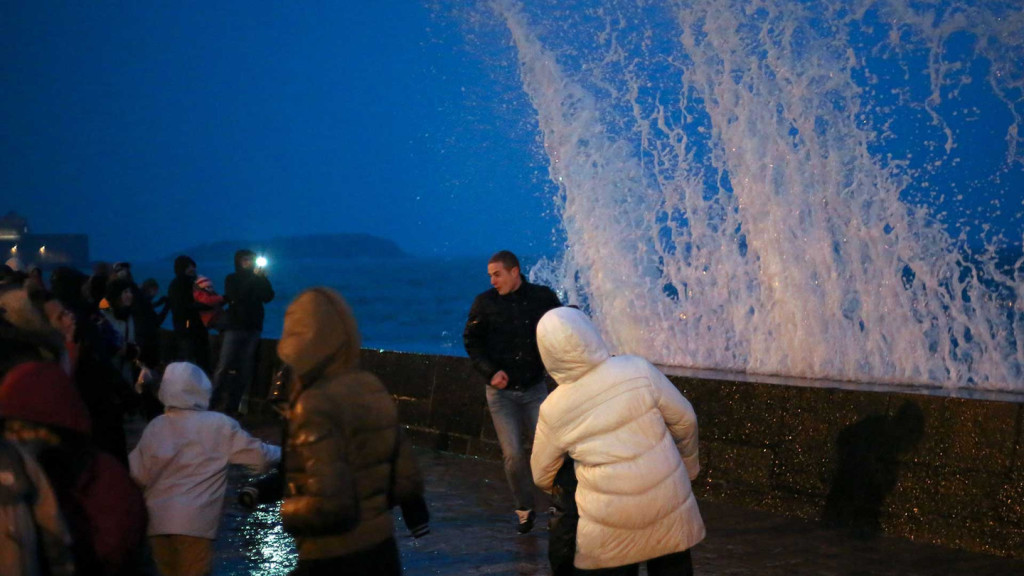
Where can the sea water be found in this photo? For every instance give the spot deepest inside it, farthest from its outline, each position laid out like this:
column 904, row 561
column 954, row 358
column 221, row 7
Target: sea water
column 407, row 304
column 814, row 189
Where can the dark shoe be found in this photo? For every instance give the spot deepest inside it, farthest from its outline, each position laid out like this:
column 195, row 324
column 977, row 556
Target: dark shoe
column 526, row 518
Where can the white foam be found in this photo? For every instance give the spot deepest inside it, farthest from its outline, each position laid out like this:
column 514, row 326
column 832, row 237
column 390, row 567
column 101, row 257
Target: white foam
column 726, row 199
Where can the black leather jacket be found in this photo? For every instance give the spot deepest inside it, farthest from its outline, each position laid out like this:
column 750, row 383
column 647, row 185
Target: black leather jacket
column 501, row 333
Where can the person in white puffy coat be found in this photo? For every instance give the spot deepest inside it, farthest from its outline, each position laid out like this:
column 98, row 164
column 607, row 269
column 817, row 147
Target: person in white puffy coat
column 181, row 463
column 633, row 437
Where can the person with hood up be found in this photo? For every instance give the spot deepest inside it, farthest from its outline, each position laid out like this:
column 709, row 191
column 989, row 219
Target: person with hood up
column 346, row 462
column 181, row 463
column 633, row 437
column 192, row 339
column 246, row 290
column 43, row 413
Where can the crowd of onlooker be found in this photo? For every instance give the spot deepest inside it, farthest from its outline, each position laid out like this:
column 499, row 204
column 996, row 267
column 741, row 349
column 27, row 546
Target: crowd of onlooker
column 615, row 442
column 102, row 329
column 78, row 354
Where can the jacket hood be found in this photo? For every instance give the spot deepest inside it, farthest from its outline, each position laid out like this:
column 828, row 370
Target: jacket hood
column 40, row 392
column 181, row 263
column 319, row 332
column 569, row 344
column 185, row 386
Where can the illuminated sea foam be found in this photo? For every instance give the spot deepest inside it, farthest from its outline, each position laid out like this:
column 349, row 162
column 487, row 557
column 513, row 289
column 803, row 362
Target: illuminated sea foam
column 788, row 187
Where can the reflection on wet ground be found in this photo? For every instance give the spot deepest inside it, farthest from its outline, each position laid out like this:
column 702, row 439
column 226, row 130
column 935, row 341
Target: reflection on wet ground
column 254, row 542
column 472, row 528
column 473, row 533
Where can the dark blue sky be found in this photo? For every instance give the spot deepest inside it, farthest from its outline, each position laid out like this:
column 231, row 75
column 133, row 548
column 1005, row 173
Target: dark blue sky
column 156, row 126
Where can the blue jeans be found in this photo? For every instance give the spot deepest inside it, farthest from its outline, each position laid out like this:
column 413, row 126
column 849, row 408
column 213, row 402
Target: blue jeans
column 515, row 414
column 234, row 369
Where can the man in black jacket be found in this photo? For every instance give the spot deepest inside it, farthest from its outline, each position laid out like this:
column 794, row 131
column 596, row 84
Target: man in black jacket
column 246, row 290
column 501, row 340
column 192, row 340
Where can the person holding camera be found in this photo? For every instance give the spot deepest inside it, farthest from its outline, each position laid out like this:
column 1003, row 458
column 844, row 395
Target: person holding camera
column 246, row 290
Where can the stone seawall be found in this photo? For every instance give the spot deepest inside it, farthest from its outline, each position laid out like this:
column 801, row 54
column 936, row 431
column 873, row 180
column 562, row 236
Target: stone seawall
column 925, row 467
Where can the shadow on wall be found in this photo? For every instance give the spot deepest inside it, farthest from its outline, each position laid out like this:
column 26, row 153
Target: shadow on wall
column 870, row 454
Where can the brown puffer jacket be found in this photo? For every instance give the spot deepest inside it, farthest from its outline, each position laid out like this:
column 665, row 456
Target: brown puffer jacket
column 342, row 435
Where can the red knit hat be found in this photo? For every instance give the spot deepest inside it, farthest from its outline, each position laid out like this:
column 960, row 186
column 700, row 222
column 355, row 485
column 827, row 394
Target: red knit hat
column 42, row 393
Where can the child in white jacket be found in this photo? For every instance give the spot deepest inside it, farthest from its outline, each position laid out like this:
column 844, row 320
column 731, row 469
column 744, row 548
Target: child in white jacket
column 181, row 463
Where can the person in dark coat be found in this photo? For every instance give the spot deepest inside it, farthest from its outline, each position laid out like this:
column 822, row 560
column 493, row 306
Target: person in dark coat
column 66, row 283
column 501, row 340
column 104, row 509
column 25, row 332
column 90, row 350
column 346, row 461
column 35, row 539
column 246, row 290
column 192, row 340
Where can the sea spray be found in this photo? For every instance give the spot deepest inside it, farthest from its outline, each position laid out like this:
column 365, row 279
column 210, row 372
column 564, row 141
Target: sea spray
column 733, row 198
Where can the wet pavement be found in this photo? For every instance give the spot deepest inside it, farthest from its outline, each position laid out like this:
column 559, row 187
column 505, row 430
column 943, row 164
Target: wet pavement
column 473, row 533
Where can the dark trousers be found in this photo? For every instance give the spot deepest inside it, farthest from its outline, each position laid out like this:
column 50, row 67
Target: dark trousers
column 677, row 564
column 379, row 560
column 234, row 369
column 193, row 346
column 563, row 521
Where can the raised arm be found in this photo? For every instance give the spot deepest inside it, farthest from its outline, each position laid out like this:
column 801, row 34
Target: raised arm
column 251, row 452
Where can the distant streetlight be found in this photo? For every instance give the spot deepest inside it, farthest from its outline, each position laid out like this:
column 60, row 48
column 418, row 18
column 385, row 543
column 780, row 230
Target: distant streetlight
column 14, row 249
column 42, row 250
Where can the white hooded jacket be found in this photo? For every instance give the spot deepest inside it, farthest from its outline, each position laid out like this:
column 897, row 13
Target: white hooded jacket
column 633, row 437
column 182, row 460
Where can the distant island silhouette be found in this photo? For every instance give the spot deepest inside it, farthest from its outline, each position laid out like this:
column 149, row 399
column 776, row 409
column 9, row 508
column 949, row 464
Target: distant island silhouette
column 318, row 246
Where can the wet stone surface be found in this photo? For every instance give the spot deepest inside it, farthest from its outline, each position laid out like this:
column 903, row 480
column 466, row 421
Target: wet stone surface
column 473, row 533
